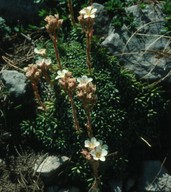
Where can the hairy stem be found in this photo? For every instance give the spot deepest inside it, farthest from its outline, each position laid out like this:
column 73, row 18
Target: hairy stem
column 88, row 125
column 95, row 185
column 54, row 38
column 74, row 112
column 37, row 96
column 88, row 50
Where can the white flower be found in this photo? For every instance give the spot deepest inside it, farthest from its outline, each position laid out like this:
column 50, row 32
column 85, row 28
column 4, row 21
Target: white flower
column 42, row 62
column 99, row 153
column 91, row 144
column 41, row 52
column 104, row 146
column 61, row 74
column 84, row 80
column 88, row 12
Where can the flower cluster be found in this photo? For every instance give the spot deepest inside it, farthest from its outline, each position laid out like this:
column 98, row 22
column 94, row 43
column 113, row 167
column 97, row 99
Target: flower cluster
column 43, row 64
column 66, row 80
column 53, row 23
column 86, row 19
column 96, row 150
column 88, row 12
column 33, row 73
column 41, row 52
column 86, row 90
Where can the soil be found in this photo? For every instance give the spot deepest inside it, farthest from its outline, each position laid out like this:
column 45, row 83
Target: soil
column 16, row 173
column 17, row 52
column 16, row 158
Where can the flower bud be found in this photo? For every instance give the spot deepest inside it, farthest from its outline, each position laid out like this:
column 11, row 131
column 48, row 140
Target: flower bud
column 53, row 23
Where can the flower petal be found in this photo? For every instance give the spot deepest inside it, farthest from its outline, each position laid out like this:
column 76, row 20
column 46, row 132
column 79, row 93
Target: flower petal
column 104, row 152
column 102, row 158
column 61, row 73
column 82, row 12
column 93, row 11
column 92, row 16
column 89, row 8
column 87, row 143
column 86, row 16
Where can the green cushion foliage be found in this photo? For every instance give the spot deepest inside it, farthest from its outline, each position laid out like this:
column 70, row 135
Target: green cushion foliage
column 126, row 110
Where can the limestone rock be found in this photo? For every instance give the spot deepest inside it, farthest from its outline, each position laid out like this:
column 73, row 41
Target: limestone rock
column 162, row 184
column 146, row 51
column 151, row 176
column 49, row 167
column 45, row 166
column 15, row 82
column 102, row 21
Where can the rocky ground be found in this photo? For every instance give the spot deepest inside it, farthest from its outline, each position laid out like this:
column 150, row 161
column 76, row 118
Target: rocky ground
column 17, row 160
column 16, row 173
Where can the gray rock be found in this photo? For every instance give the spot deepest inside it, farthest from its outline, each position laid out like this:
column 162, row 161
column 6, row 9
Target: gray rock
column 152, row 171
column 145, row 51
column 15, row 82
column 102, row 21
column 162, row 184
column 50, row 168
column 47, row 165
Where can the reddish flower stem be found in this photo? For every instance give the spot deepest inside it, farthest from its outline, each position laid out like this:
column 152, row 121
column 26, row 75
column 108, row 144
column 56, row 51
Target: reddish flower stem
column 56, row 50
column 37, row 96
column 95, row 166
column 74, row 112
column 88, row 49
column 88, row 125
